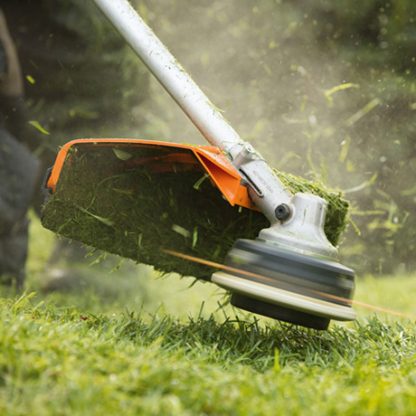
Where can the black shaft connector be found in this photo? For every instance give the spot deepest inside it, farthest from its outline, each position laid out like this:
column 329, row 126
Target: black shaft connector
column 283, row 212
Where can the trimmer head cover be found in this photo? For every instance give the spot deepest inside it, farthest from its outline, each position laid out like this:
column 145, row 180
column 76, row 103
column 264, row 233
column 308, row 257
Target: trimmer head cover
column 287, row 285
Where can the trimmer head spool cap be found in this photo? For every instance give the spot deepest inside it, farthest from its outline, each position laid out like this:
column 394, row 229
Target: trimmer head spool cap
column 286, row 285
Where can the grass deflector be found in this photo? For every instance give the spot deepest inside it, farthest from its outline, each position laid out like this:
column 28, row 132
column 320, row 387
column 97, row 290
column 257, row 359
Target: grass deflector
column 275, row 233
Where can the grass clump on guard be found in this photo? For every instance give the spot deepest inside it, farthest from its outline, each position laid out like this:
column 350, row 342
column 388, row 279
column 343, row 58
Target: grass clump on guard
column 134, row 199
column 221, row 202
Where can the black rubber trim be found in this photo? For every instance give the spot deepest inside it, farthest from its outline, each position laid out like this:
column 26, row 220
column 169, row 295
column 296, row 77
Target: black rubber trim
column 275, row 251
column 3, row 60
column 279, row 312
column 46, row 177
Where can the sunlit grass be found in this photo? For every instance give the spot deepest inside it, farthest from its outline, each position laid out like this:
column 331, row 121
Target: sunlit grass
column 67, row 361
column 129, row 343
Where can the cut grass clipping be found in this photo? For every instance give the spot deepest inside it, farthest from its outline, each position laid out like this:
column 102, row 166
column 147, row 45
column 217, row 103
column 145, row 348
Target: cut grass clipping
column 122, row 200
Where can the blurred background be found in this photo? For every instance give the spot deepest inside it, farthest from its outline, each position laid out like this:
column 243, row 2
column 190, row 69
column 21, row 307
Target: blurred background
column 325, row 90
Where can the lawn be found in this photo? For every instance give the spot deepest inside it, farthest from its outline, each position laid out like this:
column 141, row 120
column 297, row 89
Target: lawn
column 128, row 342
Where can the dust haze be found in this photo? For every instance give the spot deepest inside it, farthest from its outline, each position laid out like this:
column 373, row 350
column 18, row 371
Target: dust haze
column 269, row 80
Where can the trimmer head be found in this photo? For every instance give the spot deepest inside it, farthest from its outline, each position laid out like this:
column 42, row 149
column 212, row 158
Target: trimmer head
column 134, row 197
column 137, row 198
column 287, row 285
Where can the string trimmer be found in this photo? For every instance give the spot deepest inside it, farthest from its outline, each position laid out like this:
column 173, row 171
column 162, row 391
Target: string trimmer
column 142, row 199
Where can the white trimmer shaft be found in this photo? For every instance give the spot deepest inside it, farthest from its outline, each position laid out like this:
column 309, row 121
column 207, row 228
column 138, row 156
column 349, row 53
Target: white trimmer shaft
column 295, row 242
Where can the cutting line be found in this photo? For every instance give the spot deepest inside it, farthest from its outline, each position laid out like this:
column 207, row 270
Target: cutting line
column 220, row 266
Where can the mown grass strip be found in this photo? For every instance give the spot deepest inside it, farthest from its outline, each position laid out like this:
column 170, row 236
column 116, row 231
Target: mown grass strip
column 63, row 361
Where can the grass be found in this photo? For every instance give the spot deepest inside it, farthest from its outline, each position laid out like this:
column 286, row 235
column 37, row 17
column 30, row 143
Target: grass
column 121, row 354
column 66, row 361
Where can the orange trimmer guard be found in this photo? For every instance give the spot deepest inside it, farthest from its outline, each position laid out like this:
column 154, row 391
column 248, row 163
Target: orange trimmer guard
column 160, row 157
column 135, row 198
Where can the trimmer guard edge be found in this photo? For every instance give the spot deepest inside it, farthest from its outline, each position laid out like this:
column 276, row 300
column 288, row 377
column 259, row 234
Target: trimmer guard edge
column 172, row 156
